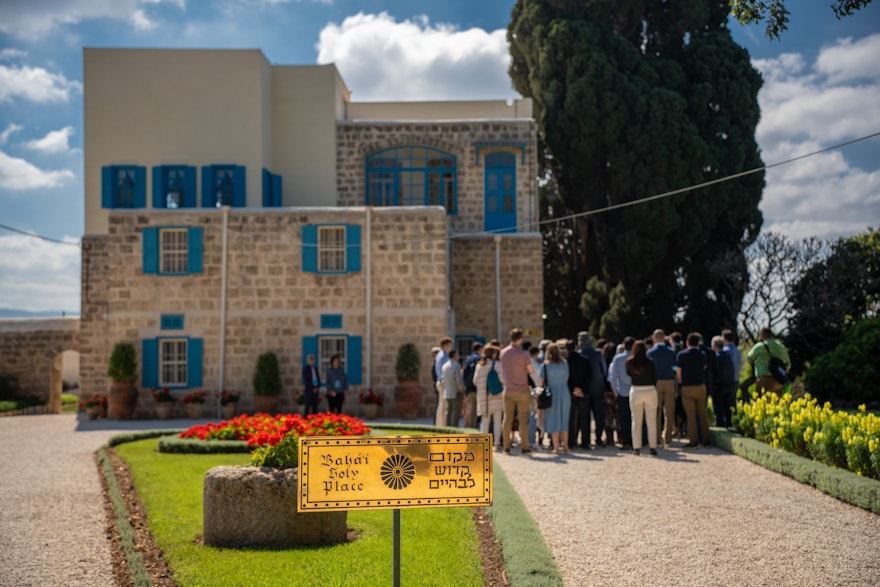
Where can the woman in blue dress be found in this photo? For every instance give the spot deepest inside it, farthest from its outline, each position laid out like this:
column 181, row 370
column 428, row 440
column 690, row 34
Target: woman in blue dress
column 554, row 374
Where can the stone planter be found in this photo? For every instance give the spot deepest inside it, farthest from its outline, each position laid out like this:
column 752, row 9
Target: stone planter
column 256, row 507
column 93, row 412
column 194, row 410
column 164, row 409
column 229, row 410
column 122, row 400
column 370, row 411
column 266, row 404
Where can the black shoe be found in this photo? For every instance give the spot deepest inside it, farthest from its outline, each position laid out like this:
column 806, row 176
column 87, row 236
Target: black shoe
column 653, row 452
column 507, row 451
column 585, row 446
column 636, row 452
column 601, row 445
column 626, row 447
column 691, row 445
column 707, row 444
column 526, row 451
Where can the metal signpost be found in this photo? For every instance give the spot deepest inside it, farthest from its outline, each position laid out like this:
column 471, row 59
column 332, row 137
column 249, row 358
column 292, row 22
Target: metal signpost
column 394, row 472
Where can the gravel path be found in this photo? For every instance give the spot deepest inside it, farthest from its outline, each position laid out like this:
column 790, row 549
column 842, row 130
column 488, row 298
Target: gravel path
column 686, row 517
column 690, row 517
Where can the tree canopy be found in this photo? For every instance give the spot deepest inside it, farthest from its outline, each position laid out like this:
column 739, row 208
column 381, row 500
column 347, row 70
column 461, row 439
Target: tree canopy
column 774, row 14
column 634, row 99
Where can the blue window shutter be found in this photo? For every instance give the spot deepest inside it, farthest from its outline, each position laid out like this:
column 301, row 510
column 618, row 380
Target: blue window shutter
column 239, row 199
column 331, row 321
column 276, row 191
column 194, row 352
column 189, row 186
column 267, row 188
column 158, row 200
column 107, row 187
column 151, row 250
column 310, row 248
column 353, row 362
column 352, row 248
column 208, row 187
column 310, row 347
column 140, row 187
column 171, row 322
column 194, row 250
column 149, row 362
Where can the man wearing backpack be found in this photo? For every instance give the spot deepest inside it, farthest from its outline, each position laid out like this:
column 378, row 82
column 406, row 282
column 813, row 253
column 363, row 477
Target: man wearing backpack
column 766, row 353
column 470, row 398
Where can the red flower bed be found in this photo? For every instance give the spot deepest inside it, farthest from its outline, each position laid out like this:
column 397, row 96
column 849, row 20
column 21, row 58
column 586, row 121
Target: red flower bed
column 263, row 429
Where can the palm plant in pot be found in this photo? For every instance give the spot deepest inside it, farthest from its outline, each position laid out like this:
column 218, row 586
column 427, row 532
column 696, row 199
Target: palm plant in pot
column 408, row 393
column 122, row 371
column 267, row 383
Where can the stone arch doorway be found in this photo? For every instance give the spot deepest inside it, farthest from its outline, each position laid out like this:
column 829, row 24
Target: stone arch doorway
column 65, row 369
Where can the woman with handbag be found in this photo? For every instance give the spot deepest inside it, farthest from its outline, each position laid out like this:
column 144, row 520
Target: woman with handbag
column 554, row 375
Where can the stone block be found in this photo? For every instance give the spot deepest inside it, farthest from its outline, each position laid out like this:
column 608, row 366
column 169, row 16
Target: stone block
column 256, row 507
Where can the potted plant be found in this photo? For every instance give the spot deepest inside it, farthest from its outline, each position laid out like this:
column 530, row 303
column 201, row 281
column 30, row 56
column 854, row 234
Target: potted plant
column 267, row 383
column 229, row 403
column 371, row 403
column 408, row 393
column 164, row 402
column 194, row 403
column 122, row 371
column 94, row 405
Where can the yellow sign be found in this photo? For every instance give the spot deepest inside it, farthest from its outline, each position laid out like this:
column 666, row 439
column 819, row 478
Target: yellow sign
column 391, row 472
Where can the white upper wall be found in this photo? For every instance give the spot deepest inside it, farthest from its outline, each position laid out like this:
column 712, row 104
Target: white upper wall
column 405, row 111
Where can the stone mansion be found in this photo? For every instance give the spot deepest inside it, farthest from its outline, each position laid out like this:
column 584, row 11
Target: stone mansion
column 235, row 207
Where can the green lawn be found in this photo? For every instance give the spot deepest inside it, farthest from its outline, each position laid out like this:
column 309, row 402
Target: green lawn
column 439, row 546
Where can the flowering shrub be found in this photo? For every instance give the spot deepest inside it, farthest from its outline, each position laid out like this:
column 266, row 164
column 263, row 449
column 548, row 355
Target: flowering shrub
column 94, row 401
column 163, row 395
column 274, row 438
column 372, row 398
column 196, row 397
column 836, row 438
column 229, row 397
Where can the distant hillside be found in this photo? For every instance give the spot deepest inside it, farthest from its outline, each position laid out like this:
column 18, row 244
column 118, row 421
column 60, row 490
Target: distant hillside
column 10, row 313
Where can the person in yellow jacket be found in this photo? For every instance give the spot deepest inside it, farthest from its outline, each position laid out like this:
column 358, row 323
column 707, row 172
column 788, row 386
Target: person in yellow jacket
column 759, row 356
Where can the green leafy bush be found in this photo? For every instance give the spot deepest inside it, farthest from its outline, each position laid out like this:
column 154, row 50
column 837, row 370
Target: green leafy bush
column 267, row 376
column 850, row 374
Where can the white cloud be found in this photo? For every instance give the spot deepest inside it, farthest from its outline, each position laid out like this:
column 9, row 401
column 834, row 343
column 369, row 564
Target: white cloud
column 55, row 141
column 140, row 21
column 10, row 54
column 382, row 59
column 18, row 174
column 25, row 263
column 37, row 19
column 12, row 128
column 35, row 84
column 810, row 106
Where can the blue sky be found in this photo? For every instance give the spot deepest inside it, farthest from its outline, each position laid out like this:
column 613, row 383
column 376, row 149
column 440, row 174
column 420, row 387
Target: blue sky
column 821, row 87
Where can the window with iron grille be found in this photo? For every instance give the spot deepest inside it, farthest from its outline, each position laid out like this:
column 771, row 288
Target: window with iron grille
column 173, row 250
column 172, row 361
column 331, row 248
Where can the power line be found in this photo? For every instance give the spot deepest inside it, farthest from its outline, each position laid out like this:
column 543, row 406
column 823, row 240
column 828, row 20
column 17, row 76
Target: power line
column 39, row 236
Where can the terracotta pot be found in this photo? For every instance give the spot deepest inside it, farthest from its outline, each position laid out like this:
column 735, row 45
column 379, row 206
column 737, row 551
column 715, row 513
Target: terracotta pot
column 266, row 404
column 408, row 397
column 229, row 410
column 164, row 410
column 371, row 411
column 194, row 410
column 122, row 400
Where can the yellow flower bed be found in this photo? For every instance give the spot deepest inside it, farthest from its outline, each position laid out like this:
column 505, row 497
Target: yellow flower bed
column 836, row 438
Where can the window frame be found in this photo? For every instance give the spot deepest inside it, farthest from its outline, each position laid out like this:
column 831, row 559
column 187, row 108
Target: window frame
column 110, row 196
column 152, row 250
column 177, row 364
column 174, row 256
column 403, row 178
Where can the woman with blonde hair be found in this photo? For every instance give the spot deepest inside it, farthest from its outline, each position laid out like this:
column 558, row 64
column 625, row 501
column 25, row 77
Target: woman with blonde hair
column 554, row 374
column 489, row 407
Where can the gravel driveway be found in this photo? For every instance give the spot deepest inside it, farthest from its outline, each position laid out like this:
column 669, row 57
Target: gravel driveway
column 686, row 517
column 690, row 517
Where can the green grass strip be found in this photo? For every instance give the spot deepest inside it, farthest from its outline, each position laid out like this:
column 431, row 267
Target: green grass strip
column 527, row 558
column 844, row 485
column 139, row 575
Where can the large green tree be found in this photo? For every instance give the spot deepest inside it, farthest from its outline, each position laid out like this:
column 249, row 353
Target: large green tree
column 634, row 99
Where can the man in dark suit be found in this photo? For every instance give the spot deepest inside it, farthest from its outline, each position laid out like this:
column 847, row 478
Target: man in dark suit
column 596, row 391
column 311, row 384
column 580, row 372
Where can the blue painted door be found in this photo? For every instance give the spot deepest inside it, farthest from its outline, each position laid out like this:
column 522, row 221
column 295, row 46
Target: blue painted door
column 500, row 191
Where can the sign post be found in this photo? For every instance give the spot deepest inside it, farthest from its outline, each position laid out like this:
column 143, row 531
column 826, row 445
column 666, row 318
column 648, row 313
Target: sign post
column 394, row 472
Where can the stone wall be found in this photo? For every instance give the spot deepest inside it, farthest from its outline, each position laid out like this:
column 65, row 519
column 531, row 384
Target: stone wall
column 30, row 350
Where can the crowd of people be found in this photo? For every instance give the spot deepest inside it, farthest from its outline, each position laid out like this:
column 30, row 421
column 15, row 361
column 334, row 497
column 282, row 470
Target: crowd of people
column 645, row 391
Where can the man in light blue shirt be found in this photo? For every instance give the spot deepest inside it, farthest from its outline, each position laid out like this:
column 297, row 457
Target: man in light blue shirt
column 735, row 353
column 620, row 384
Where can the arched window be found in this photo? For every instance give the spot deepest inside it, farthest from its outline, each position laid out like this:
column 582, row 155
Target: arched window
column 411, row 176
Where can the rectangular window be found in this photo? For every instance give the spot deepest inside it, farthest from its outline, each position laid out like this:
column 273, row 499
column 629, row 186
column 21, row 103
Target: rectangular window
column 171, row 322
column 328, row 346
column 172, row 362
column 223, row 185
column 174, row 186
column 173, row 250
column 331, row 248
column 123, row 186
column 331, row 321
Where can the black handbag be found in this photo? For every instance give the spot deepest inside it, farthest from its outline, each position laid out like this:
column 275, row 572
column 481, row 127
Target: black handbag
column 545, row 398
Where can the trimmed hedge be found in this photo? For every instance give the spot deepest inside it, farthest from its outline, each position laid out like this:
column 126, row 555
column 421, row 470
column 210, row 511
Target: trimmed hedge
column 842, row 484
column 173, row 444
